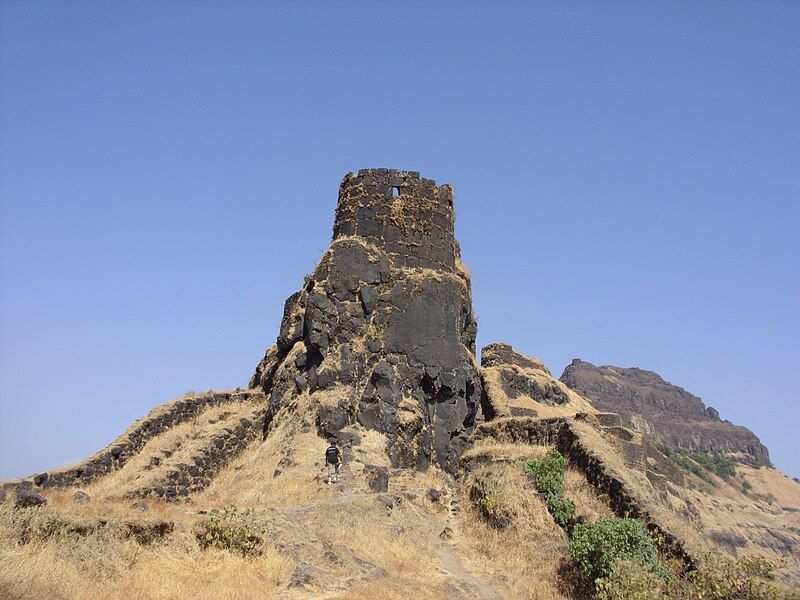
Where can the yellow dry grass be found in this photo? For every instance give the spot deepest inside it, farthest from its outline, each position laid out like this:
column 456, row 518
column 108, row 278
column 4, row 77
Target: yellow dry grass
column 587, row 502
column 521, row 561
column 106, row 564
column 172, row 447
column 489, row 449
column 492, row 379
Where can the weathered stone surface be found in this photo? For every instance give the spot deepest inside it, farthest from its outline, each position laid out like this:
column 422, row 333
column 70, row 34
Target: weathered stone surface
column 663, row 411
column 521, row 386
column 146, row 532
column 132, row 441
column 26, row 499
column 385, row 323
column 81, row 497
column 377, row 478
column 303, row 574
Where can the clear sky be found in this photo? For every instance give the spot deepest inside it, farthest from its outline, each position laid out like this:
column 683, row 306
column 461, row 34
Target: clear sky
column 627, row 181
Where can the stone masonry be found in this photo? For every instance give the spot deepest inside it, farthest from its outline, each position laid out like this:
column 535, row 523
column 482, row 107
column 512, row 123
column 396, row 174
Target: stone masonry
column 384, row 324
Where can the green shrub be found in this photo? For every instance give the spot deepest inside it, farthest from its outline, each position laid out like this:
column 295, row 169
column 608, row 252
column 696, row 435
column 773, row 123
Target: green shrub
column 548, row 476
column 493, row 508
column 232, row 530
column 743, row 578
column 492, row 502
column 596, row 547
column 548, row 472
column 562, row 509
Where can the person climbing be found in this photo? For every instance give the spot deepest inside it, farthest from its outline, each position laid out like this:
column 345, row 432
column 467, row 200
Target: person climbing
column 333, row 461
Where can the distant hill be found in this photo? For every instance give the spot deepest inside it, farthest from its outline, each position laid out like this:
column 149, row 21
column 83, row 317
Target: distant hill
column 663, row 411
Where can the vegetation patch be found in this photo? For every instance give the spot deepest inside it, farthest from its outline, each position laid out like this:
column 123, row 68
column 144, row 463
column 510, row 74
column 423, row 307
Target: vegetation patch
column 548, row 472
column 232, row 530
column 548, row 475
column 597, row 547
column 700, row 463
column 372, row 330
column 722, row 578
column 562, row 509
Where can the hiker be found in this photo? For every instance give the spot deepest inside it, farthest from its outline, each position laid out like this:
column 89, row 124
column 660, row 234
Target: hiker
column 333, row 461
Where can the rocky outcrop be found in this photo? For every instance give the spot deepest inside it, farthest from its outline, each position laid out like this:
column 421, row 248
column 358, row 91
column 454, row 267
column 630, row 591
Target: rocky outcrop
column 518, row 385
column 663, row 411
column 382, row 334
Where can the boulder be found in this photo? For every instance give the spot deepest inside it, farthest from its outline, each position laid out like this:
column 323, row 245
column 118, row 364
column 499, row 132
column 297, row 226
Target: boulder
column 81, row 497
column 377, row 478
column 28, row 499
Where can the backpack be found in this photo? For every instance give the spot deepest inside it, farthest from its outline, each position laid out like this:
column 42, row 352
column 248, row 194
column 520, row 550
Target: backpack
column 332, row 455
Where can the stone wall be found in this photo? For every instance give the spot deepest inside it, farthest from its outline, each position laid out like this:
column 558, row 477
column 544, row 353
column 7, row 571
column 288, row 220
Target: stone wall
column 134, row 439
column 185, row 478
column 560, row 433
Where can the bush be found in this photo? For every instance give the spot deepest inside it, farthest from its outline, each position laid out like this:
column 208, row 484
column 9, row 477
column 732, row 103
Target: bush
column 596, row 547
column 548, row 472
column 494, row 509
column 744, row 578
column 562, row 509
column 548, row 475
column 232, row 530
column 630, row 580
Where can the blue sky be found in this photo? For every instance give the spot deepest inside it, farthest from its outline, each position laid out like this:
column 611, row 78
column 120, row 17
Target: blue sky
column 627, row 181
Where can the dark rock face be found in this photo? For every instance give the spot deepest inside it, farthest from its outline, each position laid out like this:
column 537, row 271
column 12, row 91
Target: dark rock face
column 377, row 478
column 27, row 499
column 382, row 333
column 663, row 411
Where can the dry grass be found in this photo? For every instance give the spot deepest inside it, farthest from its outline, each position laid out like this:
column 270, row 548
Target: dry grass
column 492, row 379
column 394, row 588
column 491, row 450
column 587, row 502
column 174, row 446
column 106, row 564
column 522, row 561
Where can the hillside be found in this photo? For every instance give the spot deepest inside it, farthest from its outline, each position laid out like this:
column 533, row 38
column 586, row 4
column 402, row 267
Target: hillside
column 663, row 411
column 459, row 479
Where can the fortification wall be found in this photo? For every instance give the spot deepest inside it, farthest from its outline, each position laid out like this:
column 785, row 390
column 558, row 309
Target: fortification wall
column 116, row 454
column 409, row 217
column 562, row 434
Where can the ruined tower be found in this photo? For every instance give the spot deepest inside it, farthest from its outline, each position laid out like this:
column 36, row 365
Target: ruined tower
column 382, row 335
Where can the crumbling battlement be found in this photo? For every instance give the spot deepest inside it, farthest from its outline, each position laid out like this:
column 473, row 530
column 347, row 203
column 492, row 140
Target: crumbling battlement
column 564, row 435
column 409, row 217
column 131, row 442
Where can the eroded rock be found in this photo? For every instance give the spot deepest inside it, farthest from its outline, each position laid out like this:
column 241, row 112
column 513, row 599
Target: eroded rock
column 383, row 331
column 28, row 499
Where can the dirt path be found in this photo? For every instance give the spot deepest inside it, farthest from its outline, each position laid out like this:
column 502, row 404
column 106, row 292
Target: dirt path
column 451, row 563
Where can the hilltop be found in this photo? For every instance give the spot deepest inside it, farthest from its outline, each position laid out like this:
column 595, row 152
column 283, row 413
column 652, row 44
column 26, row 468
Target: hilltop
column 460, row 478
